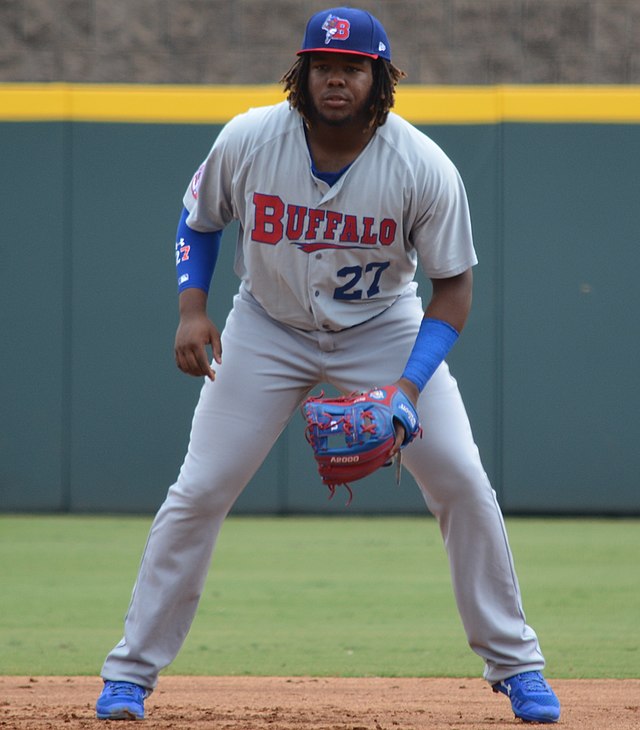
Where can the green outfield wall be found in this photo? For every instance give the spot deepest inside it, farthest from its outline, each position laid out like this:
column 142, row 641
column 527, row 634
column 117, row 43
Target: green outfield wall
column 95, row 416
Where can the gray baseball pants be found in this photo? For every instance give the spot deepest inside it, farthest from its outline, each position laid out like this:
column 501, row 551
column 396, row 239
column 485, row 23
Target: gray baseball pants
column 267, row 370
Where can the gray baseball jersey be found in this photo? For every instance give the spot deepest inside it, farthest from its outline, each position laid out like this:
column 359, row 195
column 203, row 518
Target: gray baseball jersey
column 338, row 255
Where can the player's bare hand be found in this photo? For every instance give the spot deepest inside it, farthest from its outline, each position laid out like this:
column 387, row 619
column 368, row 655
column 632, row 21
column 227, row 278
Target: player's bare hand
column 196, row 333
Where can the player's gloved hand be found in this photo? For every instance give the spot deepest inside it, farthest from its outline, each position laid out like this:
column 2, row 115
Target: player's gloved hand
column 353, row 436
column 195, row 333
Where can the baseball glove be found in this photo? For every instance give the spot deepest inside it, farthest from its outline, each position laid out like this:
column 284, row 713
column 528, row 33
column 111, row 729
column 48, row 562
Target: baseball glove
column 353, row 435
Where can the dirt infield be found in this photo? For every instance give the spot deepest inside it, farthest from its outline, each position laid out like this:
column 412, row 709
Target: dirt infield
column 296, row 703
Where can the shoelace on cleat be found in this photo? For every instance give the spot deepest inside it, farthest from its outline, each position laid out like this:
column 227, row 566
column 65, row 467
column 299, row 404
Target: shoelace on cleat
column 125, row 688
column 534, row 683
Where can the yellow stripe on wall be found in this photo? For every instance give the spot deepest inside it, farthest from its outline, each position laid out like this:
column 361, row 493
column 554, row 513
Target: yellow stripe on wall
column 130, row 103
column 217, row 104
column 607, row 104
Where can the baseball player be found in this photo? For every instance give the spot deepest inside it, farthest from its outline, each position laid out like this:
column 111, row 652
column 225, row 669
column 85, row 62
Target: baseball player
column 338, row 200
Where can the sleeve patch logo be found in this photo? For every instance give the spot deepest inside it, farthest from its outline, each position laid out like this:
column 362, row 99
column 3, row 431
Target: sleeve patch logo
column 195, row 181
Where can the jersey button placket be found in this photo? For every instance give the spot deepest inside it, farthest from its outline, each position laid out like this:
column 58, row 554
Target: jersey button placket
column 316, row 293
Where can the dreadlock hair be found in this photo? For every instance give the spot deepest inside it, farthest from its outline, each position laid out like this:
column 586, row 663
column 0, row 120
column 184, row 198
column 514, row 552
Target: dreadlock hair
column 382, row 98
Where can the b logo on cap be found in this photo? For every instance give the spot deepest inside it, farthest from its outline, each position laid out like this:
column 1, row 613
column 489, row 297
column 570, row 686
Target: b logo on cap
column 337, row 29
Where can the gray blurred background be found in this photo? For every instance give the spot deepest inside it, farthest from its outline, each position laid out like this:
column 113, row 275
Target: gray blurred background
column 251, row 41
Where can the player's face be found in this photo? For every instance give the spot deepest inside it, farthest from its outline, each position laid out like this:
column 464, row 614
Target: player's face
column 339, row 87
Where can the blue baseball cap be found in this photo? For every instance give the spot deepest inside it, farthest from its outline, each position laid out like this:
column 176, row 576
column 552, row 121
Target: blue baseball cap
column 346, row 30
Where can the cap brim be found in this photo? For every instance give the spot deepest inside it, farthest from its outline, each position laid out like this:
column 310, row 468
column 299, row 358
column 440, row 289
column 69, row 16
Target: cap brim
column 337, row 50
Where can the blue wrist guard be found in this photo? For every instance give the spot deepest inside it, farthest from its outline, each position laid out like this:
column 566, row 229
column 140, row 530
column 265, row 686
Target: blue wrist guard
column 435, row 339
column 196, row 255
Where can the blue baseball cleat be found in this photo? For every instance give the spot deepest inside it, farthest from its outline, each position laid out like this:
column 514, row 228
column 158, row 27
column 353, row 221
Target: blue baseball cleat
column 532, row 699
column 121, row 701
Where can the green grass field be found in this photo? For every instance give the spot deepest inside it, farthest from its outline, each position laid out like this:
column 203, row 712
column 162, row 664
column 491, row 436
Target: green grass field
column 345, row 596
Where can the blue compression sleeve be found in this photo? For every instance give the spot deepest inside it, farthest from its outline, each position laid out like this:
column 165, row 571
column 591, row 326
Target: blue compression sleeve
column 196, row 255
column 435, row 339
